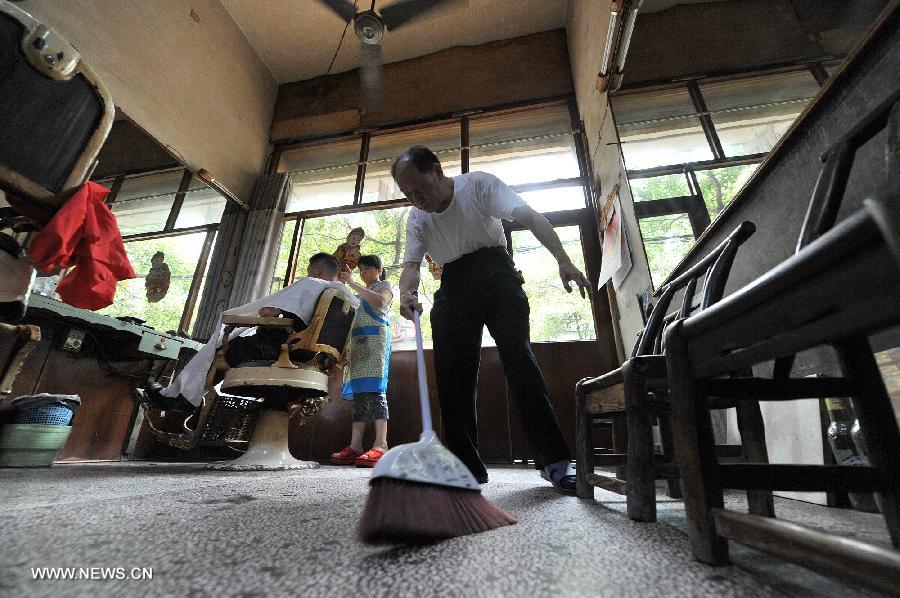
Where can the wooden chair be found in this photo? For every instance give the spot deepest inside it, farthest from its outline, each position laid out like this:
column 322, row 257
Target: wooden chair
column 297, row 382
column 638, row 392
column 842, row 285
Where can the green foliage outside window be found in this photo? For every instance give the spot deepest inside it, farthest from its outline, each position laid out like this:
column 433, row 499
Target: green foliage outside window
column 182, row 254
column 667, row 239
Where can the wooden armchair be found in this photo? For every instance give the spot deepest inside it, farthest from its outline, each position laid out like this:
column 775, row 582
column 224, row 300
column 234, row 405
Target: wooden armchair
column 638, row 392
column 295, row 383
column 842, row 285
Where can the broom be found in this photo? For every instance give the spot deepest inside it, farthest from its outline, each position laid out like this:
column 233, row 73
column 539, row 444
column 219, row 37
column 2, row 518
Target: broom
column 421, row 492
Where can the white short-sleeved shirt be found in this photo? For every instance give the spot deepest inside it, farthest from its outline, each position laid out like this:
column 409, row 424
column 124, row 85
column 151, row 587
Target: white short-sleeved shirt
column 471, row 222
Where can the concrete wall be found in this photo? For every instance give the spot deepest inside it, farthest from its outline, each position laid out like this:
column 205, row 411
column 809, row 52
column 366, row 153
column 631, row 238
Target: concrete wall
column 463, row 78
column 196, row 86
column 587, row 23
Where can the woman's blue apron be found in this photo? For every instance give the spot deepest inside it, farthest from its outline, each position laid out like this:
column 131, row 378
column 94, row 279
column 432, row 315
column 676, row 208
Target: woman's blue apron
column 370, row 353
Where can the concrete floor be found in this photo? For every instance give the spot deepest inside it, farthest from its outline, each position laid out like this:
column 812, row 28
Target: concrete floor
column 207, row 533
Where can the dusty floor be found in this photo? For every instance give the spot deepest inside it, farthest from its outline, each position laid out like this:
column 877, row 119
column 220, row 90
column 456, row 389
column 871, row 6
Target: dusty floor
column 207, row 533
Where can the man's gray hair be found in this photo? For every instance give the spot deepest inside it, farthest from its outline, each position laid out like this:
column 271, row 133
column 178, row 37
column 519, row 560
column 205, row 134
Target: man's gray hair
column 327, row 262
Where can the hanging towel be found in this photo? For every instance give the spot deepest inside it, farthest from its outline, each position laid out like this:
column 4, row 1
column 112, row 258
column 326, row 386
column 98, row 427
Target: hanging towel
column 83, row 233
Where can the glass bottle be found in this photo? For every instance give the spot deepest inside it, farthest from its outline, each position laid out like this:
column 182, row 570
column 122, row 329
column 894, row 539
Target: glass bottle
column 840, row 439
column 859, row 442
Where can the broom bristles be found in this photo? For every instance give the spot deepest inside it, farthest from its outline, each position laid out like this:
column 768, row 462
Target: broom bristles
column 402, row 512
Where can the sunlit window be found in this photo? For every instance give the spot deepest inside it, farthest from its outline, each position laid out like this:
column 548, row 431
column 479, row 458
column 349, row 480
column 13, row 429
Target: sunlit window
column 443, row 140
column 658, row 128
column 202, row 205
column 531, row 149
column 751, row 115
column 182, row 254
column 556, row 315
column 526, row 146
column 143, row 203
column 323, row 175
column 660, row 131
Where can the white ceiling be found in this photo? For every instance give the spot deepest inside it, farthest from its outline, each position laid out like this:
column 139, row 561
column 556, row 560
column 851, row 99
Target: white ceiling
column 296, row 39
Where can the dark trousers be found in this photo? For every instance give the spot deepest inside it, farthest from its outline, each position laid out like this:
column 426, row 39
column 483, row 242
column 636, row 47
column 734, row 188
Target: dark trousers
column 483, row 288
column 262, row 346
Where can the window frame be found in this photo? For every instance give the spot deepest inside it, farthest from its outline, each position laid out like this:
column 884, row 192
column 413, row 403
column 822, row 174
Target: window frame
column 694, row 204
column 169, row 230
column 583, row 217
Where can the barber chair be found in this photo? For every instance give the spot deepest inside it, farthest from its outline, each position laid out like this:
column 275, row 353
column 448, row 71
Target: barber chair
column 296, row 384
column 56, row 116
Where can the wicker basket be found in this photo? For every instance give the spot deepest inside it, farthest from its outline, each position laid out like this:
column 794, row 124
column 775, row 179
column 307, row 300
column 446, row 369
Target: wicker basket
column 233, row 419
column 48, row 415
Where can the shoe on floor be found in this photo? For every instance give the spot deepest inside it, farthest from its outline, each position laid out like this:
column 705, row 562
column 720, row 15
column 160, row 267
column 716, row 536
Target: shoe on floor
column 152, row 395
column 369, row 458
column 346, row 456
column 562, row 475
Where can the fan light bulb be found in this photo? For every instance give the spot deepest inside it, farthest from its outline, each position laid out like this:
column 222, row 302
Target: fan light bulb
column 369, row 28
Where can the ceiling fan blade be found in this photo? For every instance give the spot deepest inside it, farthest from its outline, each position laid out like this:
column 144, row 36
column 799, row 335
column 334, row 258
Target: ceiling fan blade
column 370, row 75
column 401, row 13
column 342, row 8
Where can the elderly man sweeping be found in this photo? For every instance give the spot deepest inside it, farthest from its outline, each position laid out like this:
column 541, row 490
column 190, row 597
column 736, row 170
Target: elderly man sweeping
column 297, row 302
column 457, row 221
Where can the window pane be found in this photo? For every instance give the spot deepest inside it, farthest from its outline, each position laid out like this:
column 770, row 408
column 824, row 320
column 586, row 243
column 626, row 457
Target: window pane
column 659, row 187
column 443, row 140
column 667, row 240
column 659, row 128
column 386, row 238
column 193, row 319
column 181, row 256
column 526, row 146
column 284, row 253
column 555, row 314
column 750, row 115
column 202, row 205
column 720, row 185
column 324, row 175
column 143, row 203
column 558, row 198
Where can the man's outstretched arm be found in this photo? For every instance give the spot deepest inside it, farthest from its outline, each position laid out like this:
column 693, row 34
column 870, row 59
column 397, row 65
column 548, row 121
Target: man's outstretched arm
column 538, row 225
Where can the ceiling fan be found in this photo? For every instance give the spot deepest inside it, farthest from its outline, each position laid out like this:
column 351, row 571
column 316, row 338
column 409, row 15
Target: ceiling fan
column 370, row 26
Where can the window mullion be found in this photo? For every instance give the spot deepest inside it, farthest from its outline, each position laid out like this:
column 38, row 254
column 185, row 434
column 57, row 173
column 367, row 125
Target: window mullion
column 705, row 120
column 361, row 169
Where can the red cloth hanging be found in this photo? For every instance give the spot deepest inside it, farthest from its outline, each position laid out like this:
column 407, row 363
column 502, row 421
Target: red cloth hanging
column 83, row 233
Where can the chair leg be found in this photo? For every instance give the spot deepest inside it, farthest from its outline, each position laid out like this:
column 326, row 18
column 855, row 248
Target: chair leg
column 668, row 449
column 620, row 443
column 878, row 424
column 640, row 486
column 584, row 447
column 753, row 446
column 696, row 453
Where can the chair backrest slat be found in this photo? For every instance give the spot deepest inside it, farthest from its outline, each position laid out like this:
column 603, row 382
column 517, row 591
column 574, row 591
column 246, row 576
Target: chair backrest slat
column 715, row 266
column 832, row 182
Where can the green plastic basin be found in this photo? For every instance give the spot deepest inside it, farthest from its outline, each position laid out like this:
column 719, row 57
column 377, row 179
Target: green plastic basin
column 31, row 445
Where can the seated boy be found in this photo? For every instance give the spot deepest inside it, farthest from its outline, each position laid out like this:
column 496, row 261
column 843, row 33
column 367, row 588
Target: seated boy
column 297, row 302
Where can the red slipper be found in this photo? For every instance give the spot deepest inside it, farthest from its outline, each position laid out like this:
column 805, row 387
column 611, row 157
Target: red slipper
column 369, row 458
column 347, row 456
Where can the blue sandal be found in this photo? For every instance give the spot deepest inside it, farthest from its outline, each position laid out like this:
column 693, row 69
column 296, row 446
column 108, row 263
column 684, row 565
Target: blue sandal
column 562, row 476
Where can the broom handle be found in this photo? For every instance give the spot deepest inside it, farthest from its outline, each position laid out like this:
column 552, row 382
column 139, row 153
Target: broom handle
column 423, row 382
